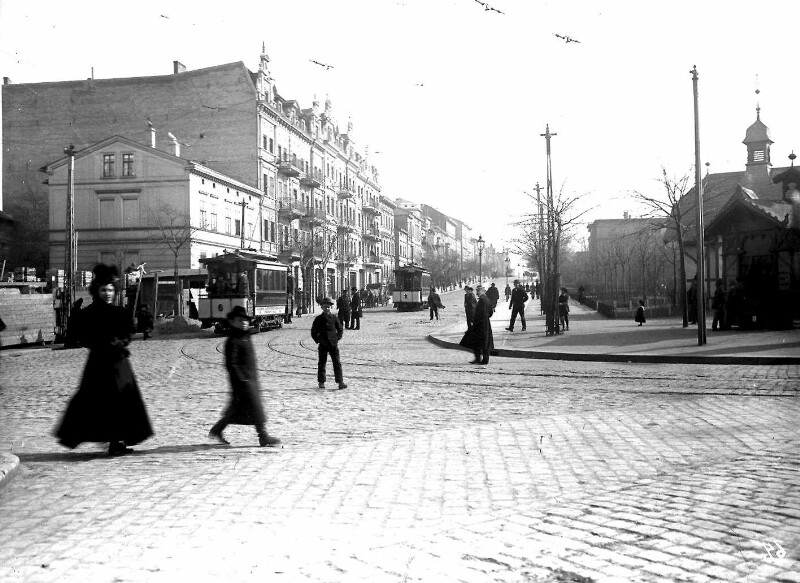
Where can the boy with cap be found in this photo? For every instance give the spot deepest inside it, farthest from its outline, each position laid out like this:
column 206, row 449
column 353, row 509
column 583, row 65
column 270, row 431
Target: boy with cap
column 326, row 331
column 244, row 407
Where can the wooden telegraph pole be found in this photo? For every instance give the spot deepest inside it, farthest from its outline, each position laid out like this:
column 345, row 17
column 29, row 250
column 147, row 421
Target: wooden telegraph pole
column 700, row 288
column 551, row 287
column 69, row 240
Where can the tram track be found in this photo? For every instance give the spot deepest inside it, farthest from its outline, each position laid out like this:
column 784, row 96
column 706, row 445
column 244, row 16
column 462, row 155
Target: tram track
column 473, row 376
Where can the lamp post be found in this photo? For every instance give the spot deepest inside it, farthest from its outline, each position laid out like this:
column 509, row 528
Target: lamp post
column 508, row 266
column 481, row 243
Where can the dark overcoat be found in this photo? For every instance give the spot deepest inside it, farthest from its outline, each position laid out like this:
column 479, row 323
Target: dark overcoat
column 480, row 333
column 343, row 307
column 493, row 294
column 355, row 306
column 326, row 330
column 470, row 301
column 639, row 317
column 108, row 405
column 244, row 407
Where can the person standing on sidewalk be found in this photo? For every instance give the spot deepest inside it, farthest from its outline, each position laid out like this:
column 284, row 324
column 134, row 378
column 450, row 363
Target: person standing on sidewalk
column 470, row 301
column 517, row 305
column 479, row 337
column 640, row 317
column 718, row 305
column 326, row 331
column 434, row 303
column 493, row 296
column 108, row 406
column 563, row 308
column 244, row 407
column 343, row 309
column 508, row 289
column 355, row 310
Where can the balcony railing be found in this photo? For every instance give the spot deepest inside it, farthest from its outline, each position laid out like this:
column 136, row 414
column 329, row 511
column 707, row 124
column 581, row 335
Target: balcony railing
column 370, row 206
column 313, row 179
column 344, row 193
column 290, row 208
column 346, row 225
column 289, row 250
column 287, row 168
column 371, row 232
column 314, row 216
column 372, row 259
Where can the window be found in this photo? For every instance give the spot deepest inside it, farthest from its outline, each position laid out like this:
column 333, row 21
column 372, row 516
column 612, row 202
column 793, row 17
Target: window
column 108, row 165
column 127, row 165
column 107, row 218
column 203, row 219
column 130, row 212
column 238, row 226
column 264, row 141
column 213, row 225
column 228, row 225
column 271, row 146
column 266, row 182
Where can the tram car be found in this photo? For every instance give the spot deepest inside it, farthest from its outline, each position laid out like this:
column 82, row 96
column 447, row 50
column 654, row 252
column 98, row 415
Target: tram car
column 252, row 280
column 412, row 285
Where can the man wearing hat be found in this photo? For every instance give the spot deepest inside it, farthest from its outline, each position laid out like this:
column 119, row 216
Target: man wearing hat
column 479, row 336
column 355, row 310
column 244, row 407
column 517, row 305
column 470, row 301
column 326, row 331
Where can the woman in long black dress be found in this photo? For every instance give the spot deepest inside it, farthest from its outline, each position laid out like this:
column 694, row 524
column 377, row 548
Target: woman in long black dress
column 108, row 406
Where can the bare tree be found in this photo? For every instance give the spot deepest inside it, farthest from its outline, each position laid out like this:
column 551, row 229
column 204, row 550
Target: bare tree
column 175, row 232
column 675, row 217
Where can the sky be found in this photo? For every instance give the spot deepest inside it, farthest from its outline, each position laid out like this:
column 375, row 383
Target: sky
column 452, row 98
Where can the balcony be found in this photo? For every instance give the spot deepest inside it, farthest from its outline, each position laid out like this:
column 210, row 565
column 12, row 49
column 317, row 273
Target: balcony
column 288, row 252
column 289, row 209
column 313, row 180
column 372, row 259
column 346, row 226
column 371, row 233
column 313, row 217
column 286, row 168
column 345, row 193
column 370, row 206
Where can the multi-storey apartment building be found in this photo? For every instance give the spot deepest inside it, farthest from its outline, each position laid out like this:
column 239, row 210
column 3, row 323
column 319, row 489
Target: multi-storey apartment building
column 229, row 120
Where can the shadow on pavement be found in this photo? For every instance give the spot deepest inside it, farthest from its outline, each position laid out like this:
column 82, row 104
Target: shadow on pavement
column 83, row 456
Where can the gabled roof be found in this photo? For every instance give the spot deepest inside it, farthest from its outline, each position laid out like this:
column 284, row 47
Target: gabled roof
column 773, row 211
column 102, row 144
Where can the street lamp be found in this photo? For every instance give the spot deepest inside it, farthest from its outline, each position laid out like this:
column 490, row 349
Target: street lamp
column 481, row 243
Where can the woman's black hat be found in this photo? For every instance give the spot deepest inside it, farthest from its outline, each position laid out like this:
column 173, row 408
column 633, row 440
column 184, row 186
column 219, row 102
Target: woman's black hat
column 104, row 274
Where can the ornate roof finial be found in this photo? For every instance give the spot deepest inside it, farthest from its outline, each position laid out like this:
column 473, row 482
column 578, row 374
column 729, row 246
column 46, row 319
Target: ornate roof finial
column 758, row 105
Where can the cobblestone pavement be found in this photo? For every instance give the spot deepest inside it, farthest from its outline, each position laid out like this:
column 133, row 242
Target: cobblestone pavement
column 425, row 469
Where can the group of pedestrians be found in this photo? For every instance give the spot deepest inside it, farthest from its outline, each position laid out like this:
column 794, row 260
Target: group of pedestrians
column 349, row 309
column 108, row 406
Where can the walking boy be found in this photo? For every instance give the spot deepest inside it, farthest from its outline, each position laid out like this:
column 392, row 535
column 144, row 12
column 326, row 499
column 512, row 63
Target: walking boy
column 244, row 407
column 326, row 331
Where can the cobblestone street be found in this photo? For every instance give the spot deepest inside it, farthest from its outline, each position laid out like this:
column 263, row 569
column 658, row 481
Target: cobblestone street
column 426, row 468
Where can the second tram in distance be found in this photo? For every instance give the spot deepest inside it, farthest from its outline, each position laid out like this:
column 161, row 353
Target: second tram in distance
column 412, row 285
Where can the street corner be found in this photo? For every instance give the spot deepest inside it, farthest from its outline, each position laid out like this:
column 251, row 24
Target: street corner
column 9, row 464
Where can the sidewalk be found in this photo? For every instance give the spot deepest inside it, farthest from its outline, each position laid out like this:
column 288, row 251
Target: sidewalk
column 597, row 338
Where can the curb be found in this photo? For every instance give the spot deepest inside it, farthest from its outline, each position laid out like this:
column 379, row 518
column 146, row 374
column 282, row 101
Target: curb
column 637, row 358
column 9, row 465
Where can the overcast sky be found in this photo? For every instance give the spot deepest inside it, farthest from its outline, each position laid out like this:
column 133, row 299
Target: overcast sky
column 451, row 98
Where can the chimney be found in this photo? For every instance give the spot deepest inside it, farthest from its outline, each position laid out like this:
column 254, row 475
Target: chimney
column 625, row 215
column 175, row 143
column 793, row 196
column 178, row 67
column 6, row 81
column 152, row 134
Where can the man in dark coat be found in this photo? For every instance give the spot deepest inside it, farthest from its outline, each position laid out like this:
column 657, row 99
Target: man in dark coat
column 479, row 336
column 434, row 303
column 144, row 321
column 470, row 301
column 493, row 295
column 517, row 305
column 343, row 309
column 355, row 310
column 108, row 406
column 244, row 407
column 326, row 331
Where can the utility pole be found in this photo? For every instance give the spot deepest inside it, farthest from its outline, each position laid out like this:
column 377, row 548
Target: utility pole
column 551, row 286
column 241, row 228
column 69, row 239
column 700, row 288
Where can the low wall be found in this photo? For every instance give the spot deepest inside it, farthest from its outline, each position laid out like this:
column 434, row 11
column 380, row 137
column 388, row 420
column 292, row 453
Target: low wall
column 28, row 318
